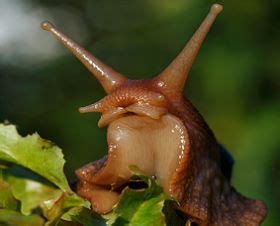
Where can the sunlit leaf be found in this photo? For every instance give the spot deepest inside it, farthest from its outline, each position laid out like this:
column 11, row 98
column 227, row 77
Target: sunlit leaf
column 140, row 206
column 32, row 194
column 57, row 210
column 13, row 218
column 84, row 216
column 34, row 153
column 7, row 200
column 150, row 212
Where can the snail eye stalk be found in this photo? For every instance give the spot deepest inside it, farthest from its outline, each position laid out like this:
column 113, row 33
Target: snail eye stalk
column 108, row 78
column 175, row 75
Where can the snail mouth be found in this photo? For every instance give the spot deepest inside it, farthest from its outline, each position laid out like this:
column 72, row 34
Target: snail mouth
column 153, row 145
column 141, row 109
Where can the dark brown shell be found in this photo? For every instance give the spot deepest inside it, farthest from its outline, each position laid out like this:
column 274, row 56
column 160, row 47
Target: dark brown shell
column 200, row 186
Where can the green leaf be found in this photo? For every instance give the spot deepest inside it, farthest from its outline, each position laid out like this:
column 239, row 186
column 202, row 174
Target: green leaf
column 84, row 216
column 140, row 206
column 7, row 200
column 60, row 209
column 150, row 212
column 32, row 194
column 13, row 218
column 34, row 153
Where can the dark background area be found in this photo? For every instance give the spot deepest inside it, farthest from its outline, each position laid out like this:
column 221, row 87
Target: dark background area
column 234, row 82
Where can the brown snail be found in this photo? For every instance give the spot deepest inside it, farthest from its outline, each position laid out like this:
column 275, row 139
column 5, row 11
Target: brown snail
column 152, row 125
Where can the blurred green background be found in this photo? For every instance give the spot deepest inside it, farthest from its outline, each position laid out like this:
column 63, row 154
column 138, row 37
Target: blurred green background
column 234, row 82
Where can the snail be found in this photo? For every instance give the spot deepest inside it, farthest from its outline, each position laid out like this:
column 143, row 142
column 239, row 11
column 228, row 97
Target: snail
column 152, row 125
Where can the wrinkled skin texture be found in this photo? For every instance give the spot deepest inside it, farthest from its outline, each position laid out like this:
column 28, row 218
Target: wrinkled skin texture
column 206, row 195
column 198, row 183
column 152, row 125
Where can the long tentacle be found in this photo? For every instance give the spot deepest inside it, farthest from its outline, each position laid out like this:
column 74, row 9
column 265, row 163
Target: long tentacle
column 108, row 78
column 174, row 76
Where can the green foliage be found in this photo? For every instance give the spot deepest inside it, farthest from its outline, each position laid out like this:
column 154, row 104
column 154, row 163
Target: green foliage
column 234, row 82
column 33, row 153
column 30, row 193
column 13, row 218
column 51, row 203
column 26, row 199
column 140, row 207
column 7, row 200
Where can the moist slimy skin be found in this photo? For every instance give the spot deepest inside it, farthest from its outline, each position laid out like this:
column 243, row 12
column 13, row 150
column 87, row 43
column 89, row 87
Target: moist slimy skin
column 152, row 125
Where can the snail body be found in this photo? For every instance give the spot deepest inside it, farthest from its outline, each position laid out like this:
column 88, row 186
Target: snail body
column 152, row 125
